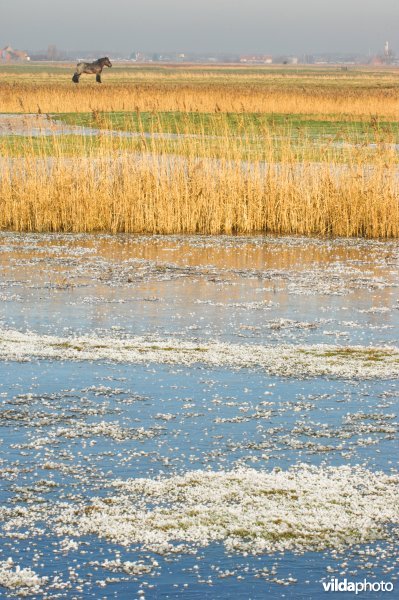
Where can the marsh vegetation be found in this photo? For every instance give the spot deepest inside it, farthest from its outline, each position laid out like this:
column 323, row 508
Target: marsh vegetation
column 193, row 415
column 203, row 150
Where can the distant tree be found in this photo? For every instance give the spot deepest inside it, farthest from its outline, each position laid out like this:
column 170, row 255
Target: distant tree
column 52, row 52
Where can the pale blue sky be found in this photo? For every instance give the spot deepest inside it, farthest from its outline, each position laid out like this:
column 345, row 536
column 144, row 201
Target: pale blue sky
column 285, row 26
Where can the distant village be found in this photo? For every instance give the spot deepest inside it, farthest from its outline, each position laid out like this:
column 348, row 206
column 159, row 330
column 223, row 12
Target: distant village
column 8, row 54
column 386, row 57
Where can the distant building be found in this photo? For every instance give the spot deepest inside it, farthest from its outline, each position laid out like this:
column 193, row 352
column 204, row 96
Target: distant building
column 387, row 58
column 8, row 54
column 138, row 57
column 256, row 59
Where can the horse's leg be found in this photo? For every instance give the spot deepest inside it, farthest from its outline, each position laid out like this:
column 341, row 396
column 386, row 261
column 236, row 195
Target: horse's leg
column 80, row 68
column 98, row 77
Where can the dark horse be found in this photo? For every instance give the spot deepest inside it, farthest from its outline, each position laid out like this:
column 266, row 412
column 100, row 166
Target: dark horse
column 93, row 68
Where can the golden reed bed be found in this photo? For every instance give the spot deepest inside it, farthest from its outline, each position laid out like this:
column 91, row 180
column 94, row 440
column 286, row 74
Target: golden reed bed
column 154, row 194
column 59, row 97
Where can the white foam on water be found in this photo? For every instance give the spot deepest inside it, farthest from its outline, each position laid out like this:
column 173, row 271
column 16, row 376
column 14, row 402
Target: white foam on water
column 362, row 362
column 303, row 509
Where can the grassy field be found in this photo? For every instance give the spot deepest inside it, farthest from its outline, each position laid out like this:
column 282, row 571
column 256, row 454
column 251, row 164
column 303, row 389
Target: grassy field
column 238, row 124
column 203, row 149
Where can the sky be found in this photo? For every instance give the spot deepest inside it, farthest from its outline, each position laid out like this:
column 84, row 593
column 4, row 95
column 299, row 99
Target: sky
column 231, row 26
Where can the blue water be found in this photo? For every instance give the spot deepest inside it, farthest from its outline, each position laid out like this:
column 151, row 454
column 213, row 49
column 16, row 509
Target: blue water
column 135, row 395
column 222, row 418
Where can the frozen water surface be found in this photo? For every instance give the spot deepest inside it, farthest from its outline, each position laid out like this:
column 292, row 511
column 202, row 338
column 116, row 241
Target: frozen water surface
column 154, row 475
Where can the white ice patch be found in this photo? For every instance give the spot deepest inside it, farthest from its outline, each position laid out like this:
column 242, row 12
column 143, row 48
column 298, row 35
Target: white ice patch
column 365, row 362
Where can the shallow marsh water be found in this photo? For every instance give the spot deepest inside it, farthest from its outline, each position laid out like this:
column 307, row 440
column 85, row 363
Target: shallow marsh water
column 37, row 125
column 78, row 431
